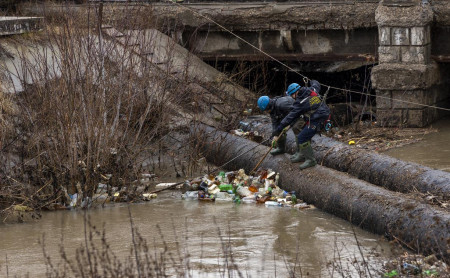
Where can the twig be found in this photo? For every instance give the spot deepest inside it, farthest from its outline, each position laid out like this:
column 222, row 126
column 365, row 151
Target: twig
column 404, row 243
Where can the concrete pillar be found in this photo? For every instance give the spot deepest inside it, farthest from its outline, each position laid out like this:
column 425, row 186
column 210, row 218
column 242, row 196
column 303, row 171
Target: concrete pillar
column 405, row 71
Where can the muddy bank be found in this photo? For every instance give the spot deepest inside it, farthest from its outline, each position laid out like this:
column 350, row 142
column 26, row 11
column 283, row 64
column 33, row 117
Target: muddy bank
column 379, row 169
column 420, row 226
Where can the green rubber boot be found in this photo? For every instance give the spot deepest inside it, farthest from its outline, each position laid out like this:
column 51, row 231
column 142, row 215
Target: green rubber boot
column 281, row 146
column 308, row 152
column 297, row 156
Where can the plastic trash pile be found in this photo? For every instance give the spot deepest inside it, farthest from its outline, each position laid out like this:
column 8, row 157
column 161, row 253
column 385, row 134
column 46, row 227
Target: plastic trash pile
column 415, row 265
column 239, row 187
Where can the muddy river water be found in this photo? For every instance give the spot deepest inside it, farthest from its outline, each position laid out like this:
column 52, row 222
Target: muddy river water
column 265, row 242
column 432, row 151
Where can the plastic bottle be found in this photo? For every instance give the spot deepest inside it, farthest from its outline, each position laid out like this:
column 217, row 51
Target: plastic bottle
column 294, row 199
column 248, row 200
column 190, row 195
column 225, row 187
column 212, row 187
column 410, row 268
column 237, row 200
column 272, row 204
column 261, row 191
column 244, row 126
column 224, row 196
column 243, row 191
column 221, row 177
column 253, row 188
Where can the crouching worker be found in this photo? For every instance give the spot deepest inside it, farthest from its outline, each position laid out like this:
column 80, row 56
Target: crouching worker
column 309, row 105
column 279, row 107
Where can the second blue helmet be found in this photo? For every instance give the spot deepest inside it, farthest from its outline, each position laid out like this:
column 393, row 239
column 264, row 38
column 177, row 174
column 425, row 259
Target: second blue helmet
column 263, row 102
column 292, row 89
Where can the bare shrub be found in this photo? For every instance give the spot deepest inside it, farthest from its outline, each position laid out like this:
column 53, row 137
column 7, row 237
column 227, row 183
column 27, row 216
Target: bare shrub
column 89, row 107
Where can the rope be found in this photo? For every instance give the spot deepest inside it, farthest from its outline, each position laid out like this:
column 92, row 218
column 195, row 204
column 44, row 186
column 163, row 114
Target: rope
column 305, row 78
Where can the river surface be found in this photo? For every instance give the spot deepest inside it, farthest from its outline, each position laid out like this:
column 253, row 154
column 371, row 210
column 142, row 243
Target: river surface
column 433, row 151
column 264, row 241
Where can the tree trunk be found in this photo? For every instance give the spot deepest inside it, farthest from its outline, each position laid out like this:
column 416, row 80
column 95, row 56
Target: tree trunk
column 416, row 224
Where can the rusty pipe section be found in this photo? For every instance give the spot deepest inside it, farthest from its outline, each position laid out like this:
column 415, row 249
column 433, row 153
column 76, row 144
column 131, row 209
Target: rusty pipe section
column 416, row 224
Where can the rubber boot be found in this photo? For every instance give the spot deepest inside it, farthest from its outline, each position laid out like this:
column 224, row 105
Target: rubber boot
column 297, row 156
column 281, row 146
column 308, row 152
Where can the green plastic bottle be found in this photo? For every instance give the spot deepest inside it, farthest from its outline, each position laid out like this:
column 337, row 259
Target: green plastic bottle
column 294, row 199
column 222, row 176
column 225, row 187
column 237, row 200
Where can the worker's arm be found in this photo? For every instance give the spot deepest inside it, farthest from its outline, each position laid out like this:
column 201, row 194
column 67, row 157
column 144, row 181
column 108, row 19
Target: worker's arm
column 315, row 85
column 297, row 111
column 275, row 121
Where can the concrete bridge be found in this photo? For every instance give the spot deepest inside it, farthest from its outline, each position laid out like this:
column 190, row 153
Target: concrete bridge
column 409, row 39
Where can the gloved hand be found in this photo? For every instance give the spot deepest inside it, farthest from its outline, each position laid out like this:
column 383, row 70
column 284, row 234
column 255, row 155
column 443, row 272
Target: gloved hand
column 274, row 141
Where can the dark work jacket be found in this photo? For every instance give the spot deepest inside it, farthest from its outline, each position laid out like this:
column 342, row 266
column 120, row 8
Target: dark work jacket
column 314, row 110
column 280, row 108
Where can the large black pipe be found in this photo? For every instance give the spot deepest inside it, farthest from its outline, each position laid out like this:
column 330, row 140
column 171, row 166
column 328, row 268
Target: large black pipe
column 388, row 172
column 417, row 224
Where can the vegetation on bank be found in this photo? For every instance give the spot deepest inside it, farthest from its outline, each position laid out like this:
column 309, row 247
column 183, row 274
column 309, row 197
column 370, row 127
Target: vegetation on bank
column 91, row 109
column 87, row 110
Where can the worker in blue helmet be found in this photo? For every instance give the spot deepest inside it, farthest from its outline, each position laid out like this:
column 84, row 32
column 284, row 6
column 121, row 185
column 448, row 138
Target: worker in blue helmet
column 278, row 108
column 309, row 106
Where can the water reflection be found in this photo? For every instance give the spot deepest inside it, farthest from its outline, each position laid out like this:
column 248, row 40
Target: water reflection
column 263, row 242
column 433, row 151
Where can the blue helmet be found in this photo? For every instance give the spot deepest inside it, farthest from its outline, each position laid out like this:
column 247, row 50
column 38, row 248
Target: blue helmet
column 263, row 102
column 292, row 89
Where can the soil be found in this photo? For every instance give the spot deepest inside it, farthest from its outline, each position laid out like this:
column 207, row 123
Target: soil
column 380, row 139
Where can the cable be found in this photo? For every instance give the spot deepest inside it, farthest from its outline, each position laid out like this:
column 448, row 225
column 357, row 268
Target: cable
column 305, row 78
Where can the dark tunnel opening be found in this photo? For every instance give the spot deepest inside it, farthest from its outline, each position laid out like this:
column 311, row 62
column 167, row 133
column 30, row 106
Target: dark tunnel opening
column 350, row 95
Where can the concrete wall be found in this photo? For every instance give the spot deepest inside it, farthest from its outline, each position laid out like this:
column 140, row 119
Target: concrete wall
column 10, row 25
column 406, row 74
column 312, row 45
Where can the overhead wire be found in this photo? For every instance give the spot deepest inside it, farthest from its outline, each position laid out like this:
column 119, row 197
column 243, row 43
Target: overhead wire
column 305, row 78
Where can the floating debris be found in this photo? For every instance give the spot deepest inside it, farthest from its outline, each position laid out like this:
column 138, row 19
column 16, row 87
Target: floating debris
column 148, row 196
column 164, row 184
column 238, row 187
column 251, row 135
column 22, row 208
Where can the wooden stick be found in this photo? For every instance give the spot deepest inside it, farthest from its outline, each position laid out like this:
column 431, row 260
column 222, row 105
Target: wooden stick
column 260, row 161
column 271, row 147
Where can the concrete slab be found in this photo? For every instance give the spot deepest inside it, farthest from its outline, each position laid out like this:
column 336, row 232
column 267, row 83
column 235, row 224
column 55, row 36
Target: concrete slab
column 13, row 25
